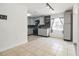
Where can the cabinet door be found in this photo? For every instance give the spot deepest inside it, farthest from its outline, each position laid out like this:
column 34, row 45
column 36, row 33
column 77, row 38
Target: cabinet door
column 41, row 20
column 67, row 31
column 67, row 17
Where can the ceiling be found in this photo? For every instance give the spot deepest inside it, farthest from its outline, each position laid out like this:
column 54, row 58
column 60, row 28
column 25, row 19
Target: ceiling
column 37, row 9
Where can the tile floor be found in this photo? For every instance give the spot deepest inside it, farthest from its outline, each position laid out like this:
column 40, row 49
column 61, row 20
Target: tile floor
column 57, row 34
column 42, row 46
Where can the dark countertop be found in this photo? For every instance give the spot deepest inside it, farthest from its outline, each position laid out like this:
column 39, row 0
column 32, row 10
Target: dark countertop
column 40, row 27
column 44, row 28
column 31, row 26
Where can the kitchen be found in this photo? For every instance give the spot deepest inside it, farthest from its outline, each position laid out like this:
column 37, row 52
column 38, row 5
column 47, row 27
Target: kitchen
column 43, row 26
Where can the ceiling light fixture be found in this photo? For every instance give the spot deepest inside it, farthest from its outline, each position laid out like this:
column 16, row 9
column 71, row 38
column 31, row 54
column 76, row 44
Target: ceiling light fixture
column 28, row 14
column 49, row 6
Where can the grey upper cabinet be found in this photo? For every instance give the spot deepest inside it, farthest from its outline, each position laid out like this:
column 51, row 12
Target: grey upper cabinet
column 41, row 20
column 31, row 21
column 47, row 21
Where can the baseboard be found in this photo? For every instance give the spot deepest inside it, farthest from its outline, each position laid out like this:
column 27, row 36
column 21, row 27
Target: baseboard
column 30, row 34
column 12, row 46
column 43, row 36
column 67, row 40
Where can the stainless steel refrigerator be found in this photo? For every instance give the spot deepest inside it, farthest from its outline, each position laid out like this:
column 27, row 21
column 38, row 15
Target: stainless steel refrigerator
column 68, row 25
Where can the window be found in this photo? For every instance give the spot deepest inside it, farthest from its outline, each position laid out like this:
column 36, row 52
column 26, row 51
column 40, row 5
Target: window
column 57, row 24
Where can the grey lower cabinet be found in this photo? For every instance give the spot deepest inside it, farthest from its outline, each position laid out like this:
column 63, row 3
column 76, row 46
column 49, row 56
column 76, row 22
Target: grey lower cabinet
column 30, row 31
column 44, row 31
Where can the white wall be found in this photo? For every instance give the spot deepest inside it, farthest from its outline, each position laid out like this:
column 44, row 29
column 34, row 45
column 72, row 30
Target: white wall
column 13, row 30
column 75, row 23
column 77, row 33
column 76, row 26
